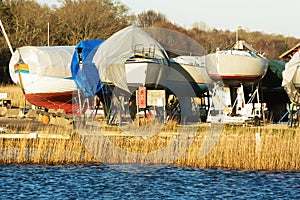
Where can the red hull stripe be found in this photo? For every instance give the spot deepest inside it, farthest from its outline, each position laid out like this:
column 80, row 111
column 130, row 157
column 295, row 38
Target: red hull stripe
column 58, row 100
column 235, row 77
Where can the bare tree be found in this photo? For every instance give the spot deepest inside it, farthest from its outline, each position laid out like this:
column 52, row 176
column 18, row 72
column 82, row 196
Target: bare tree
column 150, row 17
column 26, row 22
column 200, row 26
column 88, row 19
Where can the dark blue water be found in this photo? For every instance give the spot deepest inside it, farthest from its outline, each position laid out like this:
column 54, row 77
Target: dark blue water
column 96, row 181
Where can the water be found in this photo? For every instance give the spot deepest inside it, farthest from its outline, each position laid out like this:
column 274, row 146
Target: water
column 96, row 181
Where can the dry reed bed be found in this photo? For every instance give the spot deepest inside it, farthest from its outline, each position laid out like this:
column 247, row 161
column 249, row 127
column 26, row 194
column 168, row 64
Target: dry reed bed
column 43, row 151
column 14, row 92
column 236, row 148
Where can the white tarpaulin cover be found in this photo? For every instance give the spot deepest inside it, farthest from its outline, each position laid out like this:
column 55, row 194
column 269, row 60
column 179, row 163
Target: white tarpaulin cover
column 197, row 61
column 111, row 55
column 44, row 60
column 288, row 76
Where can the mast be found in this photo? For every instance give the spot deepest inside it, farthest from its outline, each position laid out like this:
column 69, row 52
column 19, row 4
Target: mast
column 48, row 34
column 6, row 38
column 237, row 34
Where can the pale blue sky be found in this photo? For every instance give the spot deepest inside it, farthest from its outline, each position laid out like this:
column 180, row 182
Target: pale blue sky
column 268, row 16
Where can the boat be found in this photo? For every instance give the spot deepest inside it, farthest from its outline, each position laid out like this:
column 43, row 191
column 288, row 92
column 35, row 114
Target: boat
column 131, row 58
column 241, row 64
column 44, row 75
column 291, row 74
column 197, row 76
column 187, row 61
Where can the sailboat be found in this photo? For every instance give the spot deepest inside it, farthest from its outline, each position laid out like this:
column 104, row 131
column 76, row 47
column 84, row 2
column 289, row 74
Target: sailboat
column 240, row 64
column 44, row 75
column 194, row 66
column 131, row 58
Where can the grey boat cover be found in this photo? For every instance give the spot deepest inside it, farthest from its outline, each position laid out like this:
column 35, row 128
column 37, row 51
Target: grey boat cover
column 112, row 54
column 175, row 42
column 287, row 78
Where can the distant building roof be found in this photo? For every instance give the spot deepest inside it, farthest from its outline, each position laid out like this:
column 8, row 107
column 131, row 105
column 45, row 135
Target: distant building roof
column 289, row 52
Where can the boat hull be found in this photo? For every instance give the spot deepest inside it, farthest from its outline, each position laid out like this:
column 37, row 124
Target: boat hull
column 147, row 74
column 187, row 80
column 57, row 101
column 47, row 92
column 234, row 70
column 33, row 83
column 291, row 81
column 198, row 74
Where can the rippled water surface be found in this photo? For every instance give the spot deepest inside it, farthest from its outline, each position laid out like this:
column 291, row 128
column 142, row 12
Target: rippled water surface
column 96, row 181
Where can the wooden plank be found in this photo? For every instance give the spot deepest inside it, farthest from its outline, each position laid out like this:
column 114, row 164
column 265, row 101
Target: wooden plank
column 34, row 135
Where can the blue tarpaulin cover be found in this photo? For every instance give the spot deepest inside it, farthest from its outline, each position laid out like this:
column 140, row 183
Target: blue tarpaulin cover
column 86, row 77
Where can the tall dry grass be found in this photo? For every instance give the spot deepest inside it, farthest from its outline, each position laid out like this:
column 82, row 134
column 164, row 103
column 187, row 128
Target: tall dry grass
column 260, row 148
column 239, row 148
column 43, row 150
column 14, row 92
column 236, row 148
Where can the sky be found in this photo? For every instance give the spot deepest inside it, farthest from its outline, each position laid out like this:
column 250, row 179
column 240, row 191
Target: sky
column 268, row 16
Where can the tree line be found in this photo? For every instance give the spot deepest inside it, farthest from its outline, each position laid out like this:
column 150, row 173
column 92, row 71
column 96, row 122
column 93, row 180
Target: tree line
column 27, row 23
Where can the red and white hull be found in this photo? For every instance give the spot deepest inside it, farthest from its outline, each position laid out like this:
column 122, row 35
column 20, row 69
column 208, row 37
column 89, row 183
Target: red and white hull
column 44, row 75
column 48, row 92
column 235, row 69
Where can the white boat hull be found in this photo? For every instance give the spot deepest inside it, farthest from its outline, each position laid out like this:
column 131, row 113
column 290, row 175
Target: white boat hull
column 234, row 69
column 291, row 78
column 33, row 83
column 48, row 92
column 199, row 74
column 145, row 74
column 187, row 80
column 188, row 76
